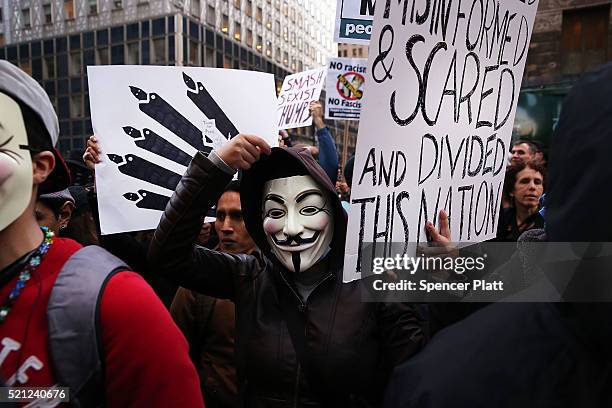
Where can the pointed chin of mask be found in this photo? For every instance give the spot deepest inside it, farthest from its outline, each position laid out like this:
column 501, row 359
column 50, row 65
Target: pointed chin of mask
column 298, row 221
column 15, row 163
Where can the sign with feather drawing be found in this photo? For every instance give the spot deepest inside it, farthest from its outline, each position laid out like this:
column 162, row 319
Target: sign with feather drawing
column 150, row 121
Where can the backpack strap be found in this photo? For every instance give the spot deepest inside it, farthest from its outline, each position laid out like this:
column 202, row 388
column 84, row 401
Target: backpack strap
column 74, row 323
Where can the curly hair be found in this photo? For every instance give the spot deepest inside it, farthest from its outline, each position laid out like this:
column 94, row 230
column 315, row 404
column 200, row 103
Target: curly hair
column 513, row 170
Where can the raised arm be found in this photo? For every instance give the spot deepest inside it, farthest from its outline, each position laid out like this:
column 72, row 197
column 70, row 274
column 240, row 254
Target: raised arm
column 172, row 252
column 328, row 154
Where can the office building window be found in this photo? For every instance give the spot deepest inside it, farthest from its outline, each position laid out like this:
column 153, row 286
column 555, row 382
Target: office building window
column 102, row 56
column 259, row 45
column 158, row 52
column 225, row 24
column 195, row 7
column 69, row 9
column 48, row 67
column 93, row 6
column 584, row 39
column 248, row 9
column 259, row 15
column 117, row 4
column 76, row 106
column 237, row 31
column 210, row 15
column 25, row 14
column 75, row 64
column 194, row 57
column 237, row 4
column 47, row 12
column 249, row 39
column 209, row 57
column 133, row 53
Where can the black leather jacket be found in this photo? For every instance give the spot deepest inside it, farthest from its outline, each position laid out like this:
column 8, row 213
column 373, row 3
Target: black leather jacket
column 350, row 346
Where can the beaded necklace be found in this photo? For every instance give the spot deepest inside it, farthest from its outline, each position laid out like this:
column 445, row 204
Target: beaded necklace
column 26, row 274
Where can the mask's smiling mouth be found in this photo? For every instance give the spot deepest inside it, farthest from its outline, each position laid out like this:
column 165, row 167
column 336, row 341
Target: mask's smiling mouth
column 296, row 242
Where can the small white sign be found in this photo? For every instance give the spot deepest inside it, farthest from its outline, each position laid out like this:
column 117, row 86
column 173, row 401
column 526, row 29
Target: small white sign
column 296, row 94
column 344, row 88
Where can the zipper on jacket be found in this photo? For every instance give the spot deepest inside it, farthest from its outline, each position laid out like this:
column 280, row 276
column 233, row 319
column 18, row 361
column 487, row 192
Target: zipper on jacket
column 303, row 305
column 303, row 309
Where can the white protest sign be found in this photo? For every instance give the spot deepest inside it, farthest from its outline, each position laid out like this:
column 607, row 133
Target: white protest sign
column 150, row 121
column 354, row 21
column 295, row 96
column 443, row 85
column 344, row 88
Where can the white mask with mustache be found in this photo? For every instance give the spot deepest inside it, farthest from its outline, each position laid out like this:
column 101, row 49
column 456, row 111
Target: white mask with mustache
column 15, row 163
column 297, row 220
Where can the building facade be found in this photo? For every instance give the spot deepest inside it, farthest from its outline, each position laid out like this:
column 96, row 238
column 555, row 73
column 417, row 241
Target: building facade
column 352, row 51
column 569, row 38
column 55, row 40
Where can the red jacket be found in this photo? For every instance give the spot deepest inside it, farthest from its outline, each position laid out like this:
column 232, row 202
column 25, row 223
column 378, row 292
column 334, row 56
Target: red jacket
column 145, row 356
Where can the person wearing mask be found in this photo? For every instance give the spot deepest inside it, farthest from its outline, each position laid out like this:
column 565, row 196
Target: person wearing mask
column 303, row 337
column 72, row 316
column 209, row 323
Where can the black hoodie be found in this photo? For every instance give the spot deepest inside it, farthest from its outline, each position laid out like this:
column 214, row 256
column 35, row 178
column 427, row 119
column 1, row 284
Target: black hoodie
column 345, row 348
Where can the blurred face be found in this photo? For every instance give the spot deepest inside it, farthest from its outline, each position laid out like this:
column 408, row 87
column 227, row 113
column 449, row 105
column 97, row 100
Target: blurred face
column 46, row 217
column 233, row 236
column 528, row 188
column 298, row 221
column 521, row 153
column 16, row 178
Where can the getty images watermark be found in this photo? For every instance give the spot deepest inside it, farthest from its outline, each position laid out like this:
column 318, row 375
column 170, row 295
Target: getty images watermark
column 441, row 267
column 523, row 271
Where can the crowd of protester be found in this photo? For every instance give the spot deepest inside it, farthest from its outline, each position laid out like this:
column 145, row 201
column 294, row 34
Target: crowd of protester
column 222, row 314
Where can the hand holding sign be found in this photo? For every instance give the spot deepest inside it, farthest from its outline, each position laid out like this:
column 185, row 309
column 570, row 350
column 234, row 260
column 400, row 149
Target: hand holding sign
column 242, row 151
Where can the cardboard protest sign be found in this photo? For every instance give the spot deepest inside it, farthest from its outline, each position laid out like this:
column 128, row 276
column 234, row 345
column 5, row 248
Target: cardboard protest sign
column 344, row 88
column 443, row 84
column 150, row 121
column 354, row 21
column 295, row 96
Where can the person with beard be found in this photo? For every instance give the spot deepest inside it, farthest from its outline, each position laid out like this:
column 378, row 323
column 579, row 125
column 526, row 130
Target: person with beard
column 541, row 355
column 303, row 337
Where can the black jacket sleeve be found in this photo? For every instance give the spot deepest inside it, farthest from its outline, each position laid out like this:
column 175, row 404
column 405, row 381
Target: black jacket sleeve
column 173, row 252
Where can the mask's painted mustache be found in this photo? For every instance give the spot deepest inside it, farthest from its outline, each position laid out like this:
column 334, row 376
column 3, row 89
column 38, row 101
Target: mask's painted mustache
column 297, row 239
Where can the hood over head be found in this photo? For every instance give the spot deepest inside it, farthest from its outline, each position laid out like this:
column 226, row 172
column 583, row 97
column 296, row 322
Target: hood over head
column 282, row 163
column 579, row 191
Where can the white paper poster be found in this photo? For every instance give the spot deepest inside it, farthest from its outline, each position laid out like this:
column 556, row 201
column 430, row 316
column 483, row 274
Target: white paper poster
column 354, row 21
column 344, row 88
column 150, row 121
column 443, row 85
column 295, row 96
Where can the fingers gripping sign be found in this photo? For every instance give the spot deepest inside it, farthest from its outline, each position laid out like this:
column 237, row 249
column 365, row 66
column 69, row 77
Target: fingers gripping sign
column 243, row 150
